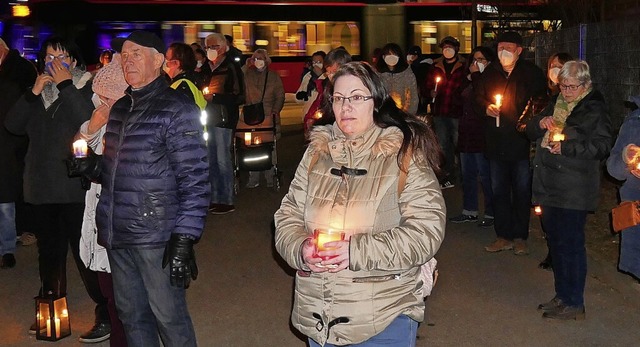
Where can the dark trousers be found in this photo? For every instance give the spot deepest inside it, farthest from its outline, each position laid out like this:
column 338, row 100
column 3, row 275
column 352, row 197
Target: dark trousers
column 117, row 338
column 147, row 303
column 511, row 185
column 565, row 237
column 58, row 228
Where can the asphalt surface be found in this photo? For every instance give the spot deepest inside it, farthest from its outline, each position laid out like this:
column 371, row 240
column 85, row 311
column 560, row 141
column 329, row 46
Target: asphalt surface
column 243, row 295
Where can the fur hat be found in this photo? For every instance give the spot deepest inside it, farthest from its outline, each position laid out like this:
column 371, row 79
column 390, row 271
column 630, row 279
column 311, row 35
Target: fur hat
column 109, row 81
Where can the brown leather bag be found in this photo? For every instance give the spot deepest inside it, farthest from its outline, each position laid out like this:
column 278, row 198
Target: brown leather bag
column 626, row 215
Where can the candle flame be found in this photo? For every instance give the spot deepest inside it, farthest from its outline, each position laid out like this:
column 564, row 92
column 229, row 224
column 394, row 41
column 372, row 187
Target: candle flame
column 557, row 137
column 205, row 90
column 537, row 210
column 498, row 100
column 80, row 148
column 438, row 79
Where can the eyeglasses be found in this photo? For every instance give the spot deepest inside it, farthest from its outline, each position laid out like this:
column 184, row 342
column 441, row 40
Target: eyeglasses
column 572, row 88
column 353, row 99
column 50, row 57
column 214, row 47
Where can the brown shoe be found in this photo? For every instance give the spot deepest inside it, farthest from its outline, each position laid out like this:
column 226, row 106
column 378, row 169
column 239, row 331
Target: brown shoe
column 499, row 245
column 550, row 305
column 564, row 312
column 520, row 247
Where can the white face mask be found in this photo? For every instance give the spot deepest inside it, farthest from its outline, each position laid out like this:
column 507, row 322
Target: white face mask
column 411, row 58
column 199, row 64
column 259, row 63
column 506, row 58
column 317, row 66
column 212, row 54
column 553, row 74
column 165, row 68
column 391, row 59
column 449, row 52
column 481, row 67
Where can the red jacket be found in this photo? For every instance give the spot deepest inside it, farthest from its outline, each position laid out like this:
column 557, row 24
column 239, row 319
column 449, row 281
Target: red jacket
column 448, row 101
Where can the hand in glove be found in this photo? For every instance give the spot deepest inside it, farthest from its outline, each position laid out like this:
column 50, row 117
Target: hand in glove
column 181, row 258
column 88, row 167
column 302, row 95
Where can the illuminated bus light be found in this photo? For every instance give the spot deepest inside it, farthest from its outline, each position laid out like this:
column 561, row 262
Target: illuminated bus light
column 252, row 159
column 20, row 11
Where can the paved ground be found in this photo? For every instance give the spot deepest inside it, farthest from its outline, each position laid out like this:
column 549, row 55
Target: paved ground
column 243, row 295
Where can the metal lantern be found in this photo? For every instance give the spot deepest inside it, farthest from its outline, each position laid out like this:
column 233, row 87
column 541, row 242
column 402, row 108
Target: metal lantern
column 52, row 318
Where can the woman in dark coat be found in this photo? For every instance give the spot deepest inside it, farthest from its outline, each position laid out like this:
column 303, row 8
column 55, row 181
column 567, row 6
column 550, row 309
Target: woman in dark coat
column 573, row 134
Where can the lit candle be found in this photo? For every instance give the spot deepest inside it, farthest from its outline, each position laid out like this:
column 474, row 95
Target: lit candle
column 537, row 210
column 498, row 104
column 435, row 89
column 247, row 139
column 557, row 137
column 205, row 91
column 257, row 140
column 322, row 236
column 80, row 149
column 318, row 114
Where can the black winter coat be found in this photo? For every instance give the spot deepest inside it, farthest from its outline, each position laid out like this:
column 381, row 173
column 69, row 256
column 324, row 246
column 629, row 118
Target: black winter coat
column 16, row 75
column 51, row 134
column 571, row 179
column 526, row 81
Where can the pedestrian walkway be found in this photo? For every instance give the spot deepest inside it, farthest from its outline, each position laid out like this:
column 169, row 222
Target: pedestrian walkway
column 242, row 297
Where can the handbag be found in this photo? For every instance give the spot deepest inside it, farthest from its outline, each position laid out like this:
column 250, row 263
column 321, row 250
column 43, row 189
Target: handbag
column 254, row 114
column 626, row 215
column 218, row 116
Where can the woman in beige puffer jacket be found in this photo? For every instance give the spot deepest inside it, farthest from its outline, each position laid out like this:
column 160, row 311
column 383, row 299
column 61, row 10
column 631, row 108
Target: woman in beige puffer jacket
column 350, row 179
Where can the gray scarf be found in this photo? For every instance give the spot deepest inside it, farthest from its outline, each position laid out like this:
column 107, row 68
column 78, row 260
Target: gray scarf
column 50, row 91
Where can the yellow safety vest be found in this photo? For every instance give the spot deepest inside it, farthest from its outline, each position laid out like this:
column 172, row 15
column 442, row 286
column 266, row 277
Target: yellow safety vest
column 197, row 93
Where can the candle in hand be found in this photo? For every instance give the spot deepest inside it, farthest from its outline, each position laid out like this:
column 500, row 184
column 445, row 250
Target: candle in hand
column 205, row 91
column 322, row 236
column 437, row 81
column 257, row 140
column 498, row 104
column 80, row 149
column 557, row 137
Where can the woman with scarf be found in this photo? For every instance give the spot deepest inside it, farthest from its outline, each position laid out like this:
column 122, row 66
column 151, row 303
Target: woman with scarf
column 573, row 134
column 50, row 114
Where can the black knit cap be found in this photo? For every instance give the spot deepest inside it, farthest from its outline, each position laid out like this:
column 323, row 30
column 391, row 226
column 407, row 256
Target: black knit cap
column 143, row 38
column 510, row 36
column 414, row 50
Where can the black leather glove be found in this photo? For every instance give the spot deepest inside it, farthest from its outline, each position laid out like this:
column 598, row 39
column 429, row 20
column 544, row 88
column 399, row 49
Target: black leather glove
column 182, row 259
column 88, row 167
column 302, row 95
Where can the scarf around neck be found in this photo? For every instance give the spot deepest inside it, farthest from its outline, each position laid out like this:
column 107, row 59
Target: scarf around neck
column 50, row 91
column 561, row 112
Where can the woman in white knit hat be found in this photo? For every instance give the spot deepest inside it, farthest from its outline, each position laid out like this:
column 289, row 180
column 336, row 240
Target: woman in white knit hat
column 108, row 86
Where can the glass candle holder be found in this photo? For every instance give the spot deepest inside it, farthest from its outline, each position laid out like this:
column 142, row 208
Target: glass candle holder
column 322, row 236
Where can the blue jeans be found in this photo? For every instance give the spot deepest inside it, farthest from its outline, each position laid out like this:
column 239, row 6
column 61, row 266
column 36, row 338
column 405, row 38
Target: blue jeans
column 400, row 333
column 511, row 184
column 565, row 238
column 7, row 228
column 476, row 166
column 147, row 303
column 221, row 165
column 447, row 132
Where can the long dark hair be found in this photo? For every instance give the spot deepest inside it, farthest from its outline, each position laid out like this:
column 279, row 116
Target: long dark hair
column 57, row 42
column 419, row 139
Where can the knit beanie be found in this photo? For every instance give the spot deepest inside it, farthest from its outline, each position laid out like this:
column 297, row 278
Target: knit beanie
column 109, row 80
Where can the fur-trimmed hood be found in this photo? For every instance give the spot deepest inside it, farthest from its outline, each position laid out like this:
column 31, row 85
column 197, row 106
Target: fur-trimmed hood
column 330, row 140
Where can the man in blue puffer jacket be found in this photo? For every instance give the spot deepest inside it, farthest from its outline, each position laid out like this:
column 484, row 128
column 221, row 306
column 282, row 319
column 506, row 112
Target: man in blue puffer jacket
column 154, row 200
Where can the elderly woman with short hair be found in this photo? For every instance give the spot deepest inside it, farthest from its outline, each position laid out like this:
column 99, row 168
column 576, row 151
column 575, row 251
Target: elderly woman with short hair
column 573, row 134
